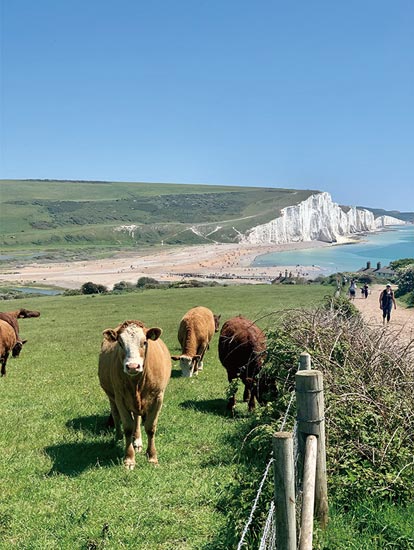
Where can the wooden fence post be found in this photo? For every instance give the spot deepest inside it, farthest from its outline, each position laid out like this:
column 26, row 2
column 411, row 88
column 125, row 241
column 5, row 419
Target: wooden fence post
column 284, row 491
column 308, row 499
column 305, row 361
column 311, row 420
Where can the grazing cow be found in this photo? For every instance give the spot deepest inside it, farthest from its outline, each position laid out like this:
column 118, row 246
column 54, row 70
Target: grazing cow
column 11, row 318
column 134, row 370
column 195, row 332
column 241, row 349
column 8, row 343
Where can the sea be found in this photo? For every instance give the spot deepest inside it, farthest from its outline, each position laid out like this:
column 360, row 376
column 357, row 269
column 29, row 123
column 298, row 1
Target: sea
column 394, row 243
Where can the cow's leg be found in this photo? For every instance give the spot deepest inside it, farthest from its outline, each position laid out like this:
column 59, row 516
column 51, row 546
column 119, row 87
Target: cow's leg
column 252, row 402
column 3, row 363
column 116, row 418
column 128, row 423
column 201, row 351
column 137, row 434
column 231, row 404
column 150, row 424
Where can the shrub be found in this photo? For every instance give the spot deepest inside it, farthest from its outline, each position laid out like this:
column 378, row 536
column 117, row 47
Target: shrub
column 93, row 288
column 145, row 281
column 368, row 379
column 405, row 280
column 122, row 286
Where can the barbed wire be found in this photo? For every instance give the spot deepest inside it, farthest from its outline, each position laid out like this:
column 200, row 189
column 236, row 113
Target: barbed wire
column 259, row 491
column 268, row 540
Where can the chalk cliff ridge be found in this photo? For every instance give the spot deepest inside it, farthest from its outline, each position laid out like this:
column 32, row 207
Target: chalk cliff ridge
column 317, row 218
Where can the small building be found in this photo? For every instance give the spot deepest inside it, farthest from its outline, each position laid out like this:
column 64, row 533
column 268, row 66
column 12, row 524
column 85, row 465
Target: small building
column 383, row 272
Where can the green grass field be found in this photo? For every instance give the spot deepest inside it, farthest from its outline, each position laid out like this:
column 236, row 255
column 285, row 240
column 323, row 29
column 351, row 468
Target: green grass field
column 63, row 483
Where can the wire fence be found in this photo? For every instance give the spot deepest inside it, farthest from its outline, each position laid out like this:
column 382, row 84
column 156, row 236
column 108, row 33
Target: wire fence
column 268, row 539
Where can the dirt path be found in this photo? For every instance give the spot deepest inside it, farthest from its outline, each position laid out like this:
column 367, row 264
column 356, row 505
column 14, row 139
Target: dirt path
column 401, row 318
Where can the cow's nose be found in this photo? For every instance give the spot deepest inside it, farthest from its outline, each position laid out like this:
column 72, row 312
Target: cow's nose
column 133, row 367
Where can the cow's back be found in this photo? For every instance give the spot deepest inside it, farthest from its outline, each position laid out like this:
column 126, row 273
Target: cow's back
column 240, row 339
column 198, row 324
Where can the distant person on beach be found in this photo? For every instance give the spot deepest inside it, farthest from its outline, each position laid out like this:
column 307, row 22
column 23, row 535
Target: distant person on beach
column 365, row 290
column 386, row 301
column 352, row 290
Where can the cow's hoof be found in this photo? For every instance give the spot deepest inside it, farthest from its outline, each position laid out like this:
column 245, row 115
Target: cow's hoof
column 152, row 460
column 129, row 464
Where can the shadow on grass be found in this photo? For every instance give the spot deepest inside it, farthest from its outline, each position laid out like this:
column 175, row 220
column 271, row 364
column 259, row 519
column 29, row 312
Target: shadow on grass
column 71, row 459
column 210, row 406
column 90, row 425
column 176, row 373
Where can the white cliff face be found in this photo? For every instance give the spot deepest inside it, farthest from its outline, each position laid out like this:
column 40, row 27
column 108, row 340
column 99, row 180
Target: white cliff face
column 317, row 218
column 383, row 221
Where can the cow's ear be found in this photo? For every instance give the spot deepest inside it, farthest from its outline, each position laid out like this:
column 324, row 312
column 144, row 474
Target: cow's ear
column 24, row 341
column 153, row 333
column 110, row 334
column 175, row 357
column 196, row 357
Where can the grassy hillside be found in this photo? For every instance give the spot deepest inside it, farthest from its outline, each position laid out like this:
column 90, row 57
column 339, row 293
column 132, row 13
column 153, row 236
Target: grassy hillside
column 52, row 214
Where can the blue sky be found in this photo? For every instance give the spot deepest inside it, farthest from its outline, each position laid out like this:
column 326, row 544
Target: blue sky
column 302, row 94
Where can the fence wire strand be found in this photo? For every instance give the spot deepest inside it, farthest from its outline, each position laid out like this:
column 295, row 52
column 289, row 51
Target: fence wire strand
column 271, row 527
column 268, row 540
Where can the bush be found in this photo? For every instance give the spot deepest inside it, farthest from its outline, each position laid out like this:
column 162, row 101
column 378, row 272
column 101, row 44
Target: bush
column 145, row 281
column 93, row 288
column 405, row 280
column 368, row 379
column 122, row 286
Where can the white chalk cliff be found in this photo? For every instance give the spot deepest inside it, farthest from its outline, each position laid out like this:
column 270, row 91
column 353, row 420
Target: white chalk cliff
column 317, row 218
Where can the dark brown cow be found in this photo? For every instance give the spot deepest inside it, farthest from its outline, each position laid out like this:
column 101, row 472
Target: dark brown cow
column 241, row 348
column 134, row 370
column 8, row 344
column 195, row 332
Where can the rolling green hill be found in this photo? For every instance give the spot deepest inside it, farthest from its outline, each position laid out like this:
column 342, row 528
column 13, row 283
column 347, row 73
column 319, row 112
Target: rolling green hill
column 47, row 215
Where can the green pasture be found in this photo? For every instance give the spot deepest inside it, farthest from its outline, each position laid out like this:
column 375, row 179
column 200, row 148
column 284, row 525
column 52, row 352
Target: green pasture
column 63, row 485
column 47, row 214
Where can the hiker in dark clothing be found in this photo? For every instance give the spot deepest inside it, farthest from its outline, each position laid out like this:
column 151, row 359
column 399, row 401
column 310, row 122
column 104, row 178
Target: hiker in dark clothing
column 365, row 290
column 386, row 301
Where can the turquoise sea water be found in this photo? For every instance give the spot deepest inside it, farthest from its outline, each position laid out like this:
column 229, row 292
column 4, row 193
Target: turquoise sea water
column 384, row 247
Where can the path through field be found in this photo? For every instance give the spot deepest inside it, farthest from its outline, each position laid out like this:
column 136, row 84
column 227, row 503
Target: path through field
column 401, row 318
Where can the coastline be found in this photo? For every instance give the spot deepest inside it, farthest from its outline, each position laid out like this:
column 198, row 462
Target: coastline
column 221, row 262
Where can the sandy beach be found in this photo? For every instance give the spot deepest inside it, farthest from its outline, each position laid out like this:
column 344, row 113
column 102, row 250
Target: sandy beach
column 229, row 263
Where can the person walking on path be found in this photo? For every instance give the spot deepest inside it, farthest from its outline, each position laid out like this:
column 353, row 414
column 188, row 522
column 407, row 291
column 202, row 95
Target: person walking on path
column 352, row 290
column 365, row 290
column 386, row 301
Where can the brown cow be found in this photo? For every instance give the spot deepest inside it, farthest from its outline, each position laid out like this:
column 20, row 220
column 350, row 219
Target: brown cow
column 11, row 318
column 241, row 351
column 134, row 370
column 8, row 343
column 195, row 332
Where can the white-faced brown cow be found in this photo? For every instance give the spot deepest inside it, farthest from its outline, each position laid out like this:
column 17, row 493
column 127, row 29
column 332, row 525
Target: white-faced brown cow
column 241, row 351
column 195, row 332
column 8, row 344
column 134, row 370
